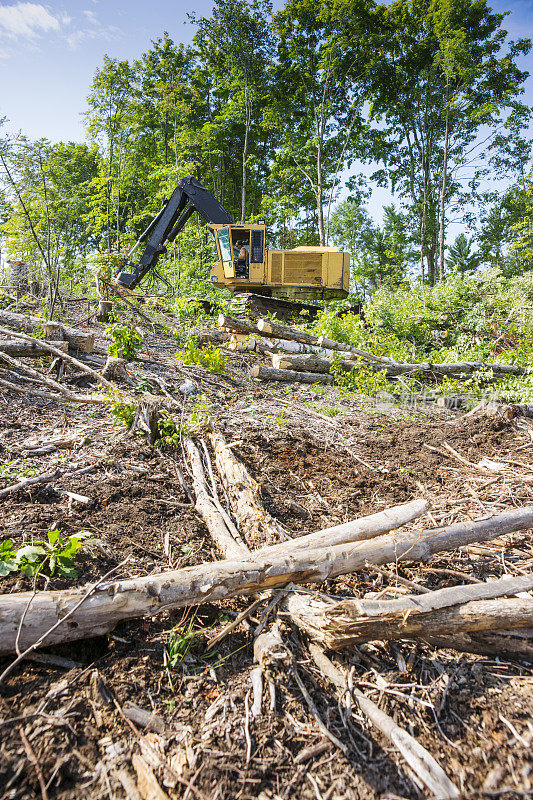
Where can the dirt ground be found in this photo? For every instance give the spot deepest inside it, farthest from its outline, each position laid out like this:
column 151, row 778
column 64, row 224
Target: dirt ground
column 64, row 730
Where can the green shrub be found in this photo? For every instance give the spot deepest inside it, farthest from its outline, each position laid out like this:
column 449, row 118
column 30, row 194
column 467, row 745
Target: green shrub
column 125, row 342
column 209, row 357
column 171, row 430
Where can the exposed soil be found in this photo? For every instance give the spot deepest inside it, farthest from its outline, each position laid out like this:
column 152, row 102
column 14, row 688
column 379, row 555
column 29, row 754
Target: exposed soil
column 473, row 713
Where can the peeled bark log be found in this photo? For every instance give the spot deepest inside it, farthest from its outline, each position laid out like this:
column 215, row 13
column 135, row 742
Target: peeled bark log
column 109, row 603
column 20, row 349
column 440, row 613
column 228, row 541
column 356, row 530
column 288, row 375
column 252, row 518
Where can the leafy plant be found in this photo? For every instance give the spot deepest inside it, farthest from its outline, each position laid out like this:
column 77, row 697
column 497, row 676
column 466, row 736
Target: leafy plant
column 55, row 554
column 125, row 342
column 171, row 429
column 180, row 644
column 123, row 413
column 360, row 379
column 209, row 357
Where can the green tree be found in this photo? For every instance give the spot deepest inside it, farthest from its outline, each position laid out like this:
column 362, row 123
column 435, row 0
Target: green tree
column 461, row 259
column 314, row 108
column 437, row 77
column 235, row 45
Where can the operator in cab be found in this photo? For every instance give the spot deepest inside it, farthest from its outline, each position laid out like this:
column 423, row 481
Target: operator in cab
column 242, row 260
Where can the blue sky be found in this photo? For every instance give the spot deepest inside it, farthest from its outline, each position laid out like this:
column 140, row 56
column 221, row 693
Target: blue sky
column 49, row 52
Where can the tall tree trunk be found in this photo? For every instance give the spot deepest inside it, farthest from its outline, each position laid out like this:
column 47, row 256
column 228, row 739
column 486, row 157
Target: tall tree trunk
column 423, row 222
column 245, row 151
column 443, row 186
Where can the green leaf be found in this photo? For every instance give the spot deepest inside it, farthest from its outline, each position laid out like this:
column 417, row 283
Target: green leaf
column 30, row 552
column 6, row 566
column 54, row 536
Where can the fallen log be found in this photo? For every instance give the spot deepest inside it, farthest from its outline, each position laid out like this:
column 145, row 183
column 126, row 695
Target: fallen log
column 20, row 349
column 309, row 362
column 269, row 328
column 32, row 616
column 444, row 612
column 224, row 533
column 316, row 363
column 419, row 759
column 511, row 644
column 65, row 395
column 253, row 520
column 236, row 325
column 76, row 338
column 60, row 353
column 357, row 530
column 288, row 375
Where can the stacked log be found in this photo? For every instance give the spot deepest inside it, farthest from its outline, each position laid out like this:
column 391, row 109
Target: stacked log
column 311, row 360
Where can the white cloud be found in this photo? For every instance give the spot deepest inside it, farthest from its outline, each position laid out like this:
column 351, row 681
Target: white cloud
column 26, row 21
column 30, row 22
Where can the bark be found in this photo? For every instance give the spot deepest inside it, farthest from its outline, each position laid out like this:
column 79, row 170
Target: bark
column 104, row 308
column 115, row 370
column 136, row 597
column 76, row 338
column 511, row 644
column 444, row 183
column 440, row 613
column 20, row 349
column 267, row 327
column 290, row 376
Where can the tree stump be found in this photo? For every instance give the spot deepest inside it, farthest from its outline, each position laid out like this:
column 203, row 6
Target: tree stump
column 104, row 307
column 115, row 370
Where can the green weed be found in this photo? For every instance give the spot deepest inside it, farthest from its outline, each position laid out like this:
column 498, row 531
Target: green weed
column 360, row 379
column 123, row 413
column 55, row 554
column 209, row 357
column 124, row 341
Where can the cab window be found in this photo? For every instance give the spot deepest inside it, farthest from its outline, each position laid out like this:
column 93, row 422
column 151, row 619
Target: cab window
column 224, row 242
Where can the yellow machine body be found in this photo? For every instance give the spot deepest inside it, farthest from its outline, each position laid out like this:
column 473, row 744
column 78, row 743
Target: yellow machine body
column 304, row 273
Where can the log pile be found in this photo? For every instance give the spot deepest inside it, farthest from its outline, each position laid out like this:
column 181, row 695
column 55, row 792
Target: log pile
column 311, row 359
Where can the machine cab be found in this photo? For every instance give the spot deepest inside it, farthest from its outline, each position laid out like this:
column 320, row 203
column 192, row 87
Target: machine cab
column 241, row 249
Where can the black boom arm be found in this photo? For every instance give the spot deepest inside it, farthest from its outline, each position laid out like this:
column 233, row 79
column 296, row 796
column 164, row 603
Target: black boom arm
column 188, row 196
